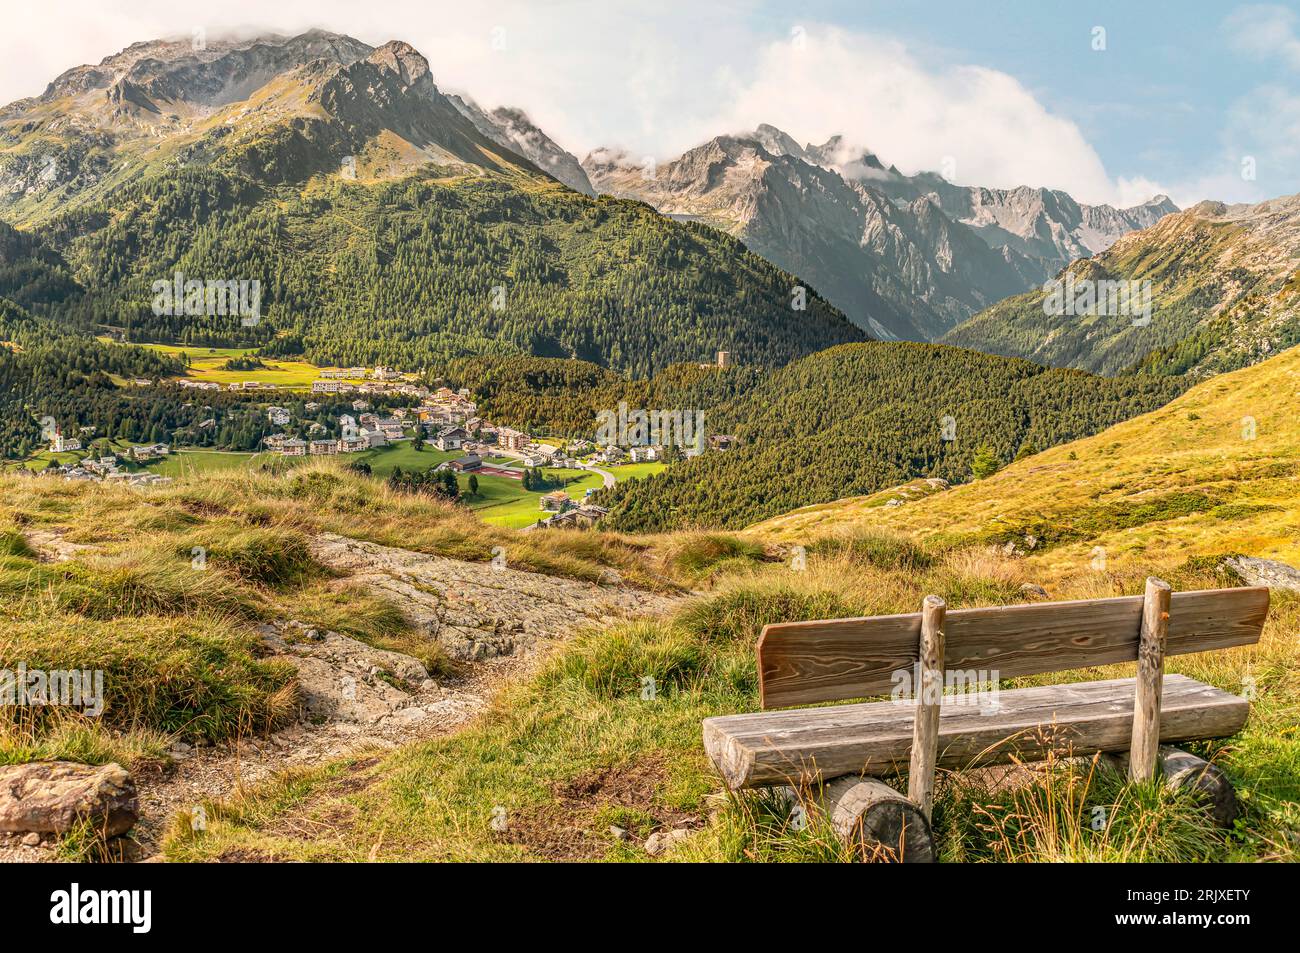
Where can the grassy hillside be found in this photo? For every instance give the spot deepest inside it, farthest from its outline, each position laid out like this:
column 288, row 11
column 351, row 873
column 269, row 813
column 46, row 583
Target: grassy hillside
column 1182, row 482
column 209, row 364
column 178, row 647
column 1223, row 288
column 858, row 418
column 576, row 748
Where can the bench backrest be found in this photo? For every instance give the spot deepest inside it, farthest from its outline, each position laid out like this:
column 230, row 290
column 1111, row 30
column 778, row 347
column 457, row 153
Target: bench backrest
column 801, row 663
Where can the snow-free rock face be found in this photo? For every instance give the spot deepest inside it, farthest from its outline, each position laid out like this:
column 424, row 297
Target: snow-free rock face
column 902, row 256
column 511, row 128
column 897, row 269
column 200, row 71
column 1040, row 223
column 52, row 797
column 97, row 128
column 1265, row 572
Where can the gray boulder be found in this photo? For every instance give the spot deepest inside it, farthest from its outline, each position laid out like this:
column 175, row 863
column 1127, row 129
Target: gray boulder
column 51, row 797
column 1265, row 572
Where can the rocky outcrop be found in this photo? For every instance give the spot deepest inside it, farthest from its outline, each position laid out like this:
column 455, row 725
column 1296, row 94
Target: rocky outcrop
column 1265, row 572
column 205, row 71
column 343, row 680
column 52, row 797
column 481, row 610
column 514, row 130
column 1046, row 225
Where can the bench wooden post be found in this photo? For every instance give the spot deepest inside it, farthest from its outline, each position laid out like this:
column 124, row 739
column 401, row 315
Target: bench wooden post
column 1145, row 744
column 929, row 696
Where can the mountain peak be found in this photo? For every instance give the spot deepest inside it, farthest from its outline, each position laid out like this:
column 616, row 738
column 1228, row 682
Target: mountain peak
column 404, row 61
column 850, row 161
column 774, row 140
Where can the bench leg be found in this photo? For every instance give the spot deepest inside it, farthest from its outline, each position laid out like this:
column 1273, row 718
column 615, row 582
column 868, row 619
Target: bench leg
column 869, row 813
column 1182, row 770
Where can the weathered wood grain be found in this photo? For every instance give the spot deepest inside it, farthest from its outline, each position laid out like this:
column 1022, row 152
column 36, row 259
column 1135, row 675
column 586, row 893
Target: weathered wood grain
column 802, row 746
column 1150, row 673
column 802, row 663
column 929, row 695
column 889, row 826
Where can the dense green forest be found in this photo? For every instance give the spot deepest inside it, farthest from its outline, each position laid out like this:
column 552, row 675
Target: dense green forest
column 31, row 274
column 48, row 371
column 548, row 396
column 858, row 418
column 416, row 272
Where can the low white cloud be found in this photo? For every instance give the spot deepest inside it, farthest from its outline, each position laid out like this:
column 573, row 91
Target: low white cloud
column 972, row 124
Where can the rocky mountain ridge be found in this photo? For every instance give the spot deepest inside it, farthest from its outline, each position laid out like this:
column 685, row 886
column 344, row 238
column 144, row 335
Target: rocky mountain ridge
column 904, row 257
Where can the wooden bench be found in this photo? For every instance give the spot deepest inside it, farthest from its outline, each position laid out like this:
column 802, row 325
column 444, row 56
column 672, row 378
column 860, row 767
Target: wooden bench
column 805, row 663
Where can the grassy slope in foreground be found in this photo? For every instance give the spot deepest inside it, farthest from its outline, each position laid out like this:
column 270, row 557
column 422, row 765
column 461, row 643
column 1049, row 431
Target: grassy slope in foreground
column 1179, row 482
column 577, row 749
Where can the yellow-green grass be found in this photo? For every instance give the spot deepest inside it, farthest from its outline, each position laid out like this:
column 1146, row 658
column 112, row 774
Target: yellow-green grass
column 321, row 495
column 383, row 460
column 44, row 458
column 503, row 501
column 579, row 747
column 165, row 586
column 208, row 364
column 1214, row 472
column 188, row 464
column 163, row 595
column 173, row 639
column 635, row 471
column 500, row 501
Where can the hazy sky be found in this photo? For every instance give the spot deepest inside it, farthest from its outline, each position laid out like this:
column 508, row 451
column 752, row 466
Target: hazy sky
column 1113, row 101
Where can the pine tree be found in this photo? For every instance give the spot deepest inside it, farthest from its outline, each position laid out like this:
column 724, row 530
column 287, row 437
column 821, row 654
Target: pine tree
column 985, row 463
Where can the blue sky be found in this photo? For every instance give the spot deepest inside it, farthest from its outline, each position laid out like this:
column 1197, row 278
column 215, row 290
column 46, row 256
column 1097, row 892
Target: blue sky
column 1175, row 96
column 1182, row 98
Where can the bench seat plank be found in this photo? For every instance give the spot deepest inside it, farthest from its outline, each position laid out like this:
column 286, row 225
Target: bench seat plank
column 804, row 745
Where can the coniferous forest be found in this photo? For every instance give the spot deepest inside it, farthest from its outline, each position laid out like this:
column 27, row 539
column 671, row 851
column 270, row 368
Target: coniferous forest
column 859, row 418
